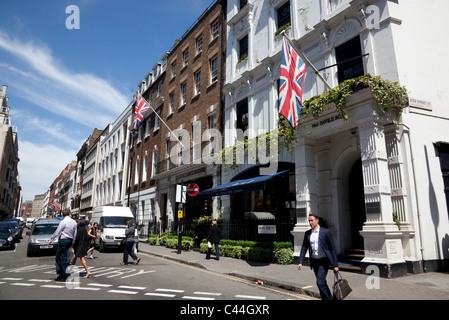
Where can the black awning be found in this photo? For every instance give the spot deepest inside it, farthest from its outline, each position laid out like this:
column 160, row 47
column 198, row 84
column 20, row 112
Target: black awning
column 243, row 185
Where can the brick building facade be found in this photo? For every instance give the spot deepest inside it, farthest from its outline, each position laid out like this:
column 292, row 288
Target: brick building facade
column 184, row 89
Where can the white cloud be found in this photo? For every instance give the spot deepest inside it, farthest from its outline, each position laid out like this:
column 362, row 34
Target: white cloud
column 40, row 165
column 85, row 92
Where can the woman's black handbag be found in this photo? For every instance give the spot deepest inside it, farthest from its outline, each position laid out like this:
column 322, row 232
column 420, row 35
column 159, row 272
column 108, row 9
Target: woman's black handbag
column 341, row 287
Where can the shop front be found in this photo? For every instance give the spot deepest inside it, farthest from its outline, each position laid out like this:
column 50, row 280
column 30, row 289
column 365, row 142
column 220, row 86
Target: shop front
column 262, row 207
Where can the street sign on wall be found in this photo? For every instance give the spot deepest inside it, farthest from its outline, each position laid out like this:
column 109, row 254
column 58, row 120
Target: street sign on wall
column 193, row 189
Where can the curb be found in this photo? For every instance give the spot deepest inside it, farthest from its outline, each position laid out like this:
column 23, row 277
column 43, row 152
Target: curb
column 266, row 281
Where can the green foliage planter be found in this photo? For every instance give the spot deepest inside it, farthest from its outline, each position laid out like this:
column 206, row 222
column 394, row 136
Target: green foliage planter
column 170, row 241
column 388, row 95
column 281, row 252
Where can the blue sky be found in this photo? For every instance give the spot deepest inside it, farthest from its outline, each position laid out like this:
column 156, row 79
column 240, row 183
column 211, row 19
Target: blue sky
column 63, row 83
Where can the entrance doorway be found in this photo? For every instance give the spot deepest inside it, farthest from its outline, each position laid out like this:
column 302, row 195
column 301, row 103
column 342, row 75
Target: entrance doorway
column 356, row 203
column 164, row 219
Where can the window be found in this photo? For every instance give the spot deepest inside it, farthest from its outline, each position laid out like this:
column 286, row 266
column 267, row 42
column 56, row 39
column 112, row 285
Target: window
column 242, row 3
column 349, row 60
column 147, row 128
column 144, row 169
column 185, row 58
column 150, row 97
column 283, row 15
column 243, row 48
column 443, row 154
column 196, row 140
column 213, row 69
column 214, row 30
column 159, row 88
column 154, row 162
column 211, row 127
column 197, row 76
column 136, row 175
column 156, row 123
column 168, row 153
column 199, row 45
column 183, row 93
column 173, row 70
column 172, row 102
column 242, row 116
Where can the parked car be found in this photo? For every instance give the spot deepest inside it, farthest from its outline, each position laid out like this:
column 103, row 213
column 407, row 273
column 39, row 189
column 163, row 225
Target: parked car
column 20, row 222
column 6, row 237
column 15, row 228
column 39, row 237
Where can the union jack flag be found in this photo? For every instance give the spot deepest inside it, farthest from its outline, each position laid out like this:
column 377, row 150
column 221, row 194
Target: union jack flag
column 293, row 73
column 140, row 111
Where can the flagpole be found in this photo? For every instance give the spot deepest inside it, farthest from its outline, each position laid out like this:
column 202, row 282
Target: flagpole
column 176, row 136
column 306, row 60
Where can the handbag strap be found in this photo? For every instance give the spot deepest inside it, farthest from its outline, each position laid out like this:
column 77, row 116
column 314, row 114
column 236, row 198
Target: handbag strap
column 337, row 275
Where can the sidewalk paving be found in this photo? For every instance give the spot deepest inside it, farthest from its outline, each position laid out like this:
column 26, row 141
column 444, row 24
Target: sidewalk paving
column 422, row 286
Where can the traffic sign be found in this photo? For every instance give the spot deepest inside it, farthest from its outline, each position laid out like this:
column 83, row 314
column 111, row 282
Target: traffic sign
column 193, row 189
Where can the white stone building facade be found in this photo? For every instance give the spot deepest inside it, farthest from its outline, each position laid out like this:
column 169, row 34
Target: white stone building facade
column 356, row 174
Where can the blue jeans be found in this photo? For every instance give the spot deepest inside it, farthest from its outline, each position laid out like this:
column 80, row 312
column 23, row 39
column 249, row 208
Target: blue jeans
column 61, row 257
column 217, row 252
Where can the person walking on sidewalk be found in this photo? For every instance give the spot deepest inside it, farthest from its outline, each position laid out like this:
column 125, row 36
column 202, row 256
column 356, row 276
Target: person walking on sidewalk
column 322, row 254
column 129, row 243
column 66, row 232
column 213, row 238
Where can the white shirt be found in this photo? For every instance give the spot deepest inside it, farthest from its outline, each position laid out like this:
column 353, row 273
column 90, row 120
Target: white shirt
column 317, row 252
column 67, row 229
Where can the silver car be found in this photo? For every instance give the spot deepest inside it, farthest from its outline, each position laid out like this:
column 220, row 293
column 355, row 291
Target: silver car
column 39, row 237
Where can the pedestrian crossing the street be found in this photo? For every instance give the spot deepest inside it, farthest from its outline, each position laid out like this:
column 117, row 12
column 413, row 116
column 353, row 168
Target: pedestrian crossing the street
column 99, row 273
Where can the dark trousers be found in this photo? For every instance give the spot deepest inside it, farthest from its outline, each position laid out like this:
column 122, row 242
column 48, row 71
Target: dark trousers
column 61, row 257
column 128, row 251
column 320, row 267
column 217, row 252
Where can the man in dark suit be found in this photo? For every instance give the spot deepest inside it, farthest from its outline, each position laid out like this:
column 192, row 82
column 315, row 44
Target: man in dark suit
column 322, row 254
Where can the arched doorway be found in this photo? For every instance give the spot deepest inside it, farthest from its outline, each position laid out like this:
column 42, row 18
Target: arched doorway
column 356, row 203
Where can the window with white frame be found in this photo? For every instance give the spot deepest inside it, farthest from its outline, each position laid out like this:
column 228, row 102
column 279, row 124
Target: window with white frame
column 144, row 168
column 168, row 153
column 171, row 104
column 243, row 48
column 197, row 76
column 211, row 127
column 283, row 15
column 199, row 45
column 183, row 93
column 136, row 172
column 159, row 88
column 215, row 26
column 185, row 58
column 156, row 123
column 173, row 70
column 213, row 70
column 154, row 163
column 196, row 140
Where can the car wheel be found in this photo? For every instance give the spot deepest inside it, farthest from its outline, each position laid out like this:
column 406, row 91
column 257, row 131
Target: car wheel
column 29, row 253
column 101, row 249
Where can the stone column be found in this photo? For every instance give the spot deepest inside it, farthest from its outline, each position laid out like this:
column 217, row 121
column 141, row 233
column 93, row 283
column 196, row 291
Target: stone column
column 382, row 238
column 306, row 197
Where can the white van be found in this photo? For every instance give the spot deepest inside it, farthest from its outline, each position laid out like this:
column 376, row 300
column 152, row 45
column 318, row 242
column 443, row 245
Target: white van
column 111, row 225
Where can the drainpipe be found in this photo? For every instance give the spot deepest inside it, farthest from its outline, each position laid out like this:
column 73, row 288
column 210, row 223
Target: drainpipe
column 417, row 201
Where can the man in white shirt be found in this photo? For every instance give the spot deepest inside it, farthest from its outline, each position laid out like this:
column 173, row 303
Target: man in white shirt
column 66, row 232
column 322, row 254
